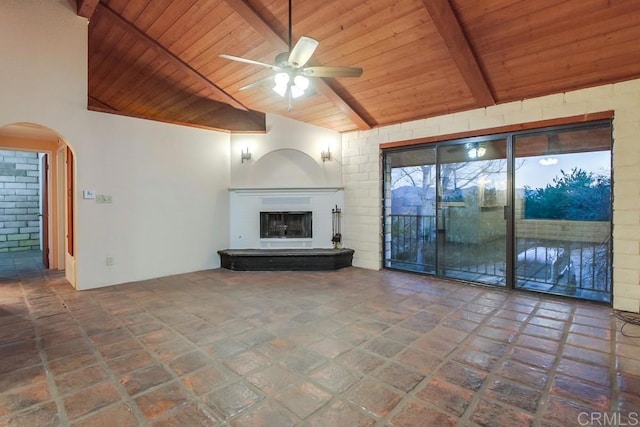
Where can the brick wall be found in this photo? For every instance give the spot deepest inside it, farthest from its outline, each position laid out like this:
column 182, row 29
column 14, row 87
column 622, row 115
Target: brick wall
column 362, row 171
column 19, row 201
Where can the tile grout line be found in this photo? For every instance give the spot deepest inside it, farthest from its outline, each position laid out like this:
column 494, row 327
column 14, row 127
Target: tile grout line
column 51, row 384
column 545, row 392
column 478, row 394
column 194, row 399
column 448, row 358
column 151, row 353
column 124, row 396
column 614, row 404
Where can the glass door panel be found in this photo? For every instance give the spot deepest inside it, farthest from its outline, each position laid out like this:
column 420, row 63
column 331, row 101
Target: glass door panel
column 562, row 212
column 410, row 200
column 471, row 225
column 445, row 210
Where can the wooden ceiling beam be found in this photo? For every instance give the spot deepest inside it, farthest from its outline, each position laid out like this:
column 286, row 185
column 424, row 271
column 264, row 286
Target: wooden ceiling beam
column 86, row 8
column 245, row 122
column 177, row 61
column 95, row 102
column 257, row 23
column 447, row 24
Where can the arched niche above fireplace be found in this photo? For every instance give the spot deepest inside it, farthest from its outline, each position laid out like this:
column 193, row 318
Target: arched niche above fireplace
column 288, row 168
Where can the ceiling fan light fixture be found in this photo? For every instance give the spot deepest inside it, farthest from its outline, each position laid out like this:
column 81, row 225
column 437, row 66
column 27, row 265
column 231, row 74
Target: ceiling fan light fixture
column 296, row 92
column 300, row 84
column 281, row 81
column 280, row 90
column 291, row 78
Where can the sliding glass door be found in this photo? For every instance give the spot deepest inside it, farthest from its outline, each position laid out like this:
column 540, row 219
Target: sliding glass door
column 563, row 212
column 527, row 210
column 472, row 230
column 410, row 210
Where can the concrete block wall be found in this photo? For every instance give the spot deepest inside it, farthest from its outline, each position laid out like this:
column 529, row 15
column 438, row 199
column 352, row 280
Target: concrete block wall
column 362, row 170
column 576, row 231
column 19, row 201
column 362, row 214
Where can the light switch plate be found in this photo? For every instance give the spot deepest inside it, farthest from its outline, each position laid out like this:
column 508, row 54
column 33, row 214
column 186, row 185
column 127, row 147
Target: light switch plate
column 88, row 194
column 104, row 198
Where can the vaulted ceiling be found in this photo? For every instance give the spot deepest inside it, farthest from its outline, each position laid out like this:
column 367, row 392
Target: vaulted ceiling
column 159, row 59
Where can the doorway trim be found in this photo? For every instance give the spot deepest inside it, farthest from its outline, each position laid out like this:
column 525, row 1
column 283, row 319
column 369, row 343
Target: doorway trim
column 38, row 138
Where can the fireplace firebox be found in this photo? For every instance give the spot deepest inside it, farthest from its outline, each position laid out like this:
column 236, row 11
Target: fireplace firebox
column 285, row 225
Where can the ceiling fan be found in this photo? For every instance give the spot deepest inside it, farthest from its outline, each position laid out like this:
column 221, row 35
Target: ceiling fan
column 291, row 73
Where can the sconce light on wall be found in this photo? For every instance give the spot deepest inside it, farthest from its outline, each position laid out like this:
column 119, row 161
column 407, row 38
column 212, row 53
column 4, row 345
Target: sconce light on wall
column 245, row 155
column 325, row 155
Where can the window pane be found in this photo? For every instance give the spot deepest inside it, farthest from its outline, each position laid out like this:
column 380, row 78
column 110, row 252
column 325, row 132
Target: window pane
column 540, row 220
column 563, row 212
column 472, row 230
column 410, row 197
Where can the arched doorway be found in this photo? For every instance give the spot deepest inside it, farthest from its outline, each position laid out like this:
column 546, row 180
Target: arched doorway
column 57, row 190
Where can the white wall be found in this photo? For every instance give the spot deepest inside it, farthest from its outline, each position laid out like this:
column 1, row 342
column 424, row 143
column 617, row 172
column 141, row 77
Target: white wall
column 287, row 155
column 362, row 176
column 168, row 183
column 170, row 210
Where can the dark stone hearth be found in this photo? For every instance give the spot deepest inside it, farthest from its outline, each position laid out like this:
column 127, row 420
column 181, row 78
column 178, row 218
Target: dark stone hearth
column 285, row 259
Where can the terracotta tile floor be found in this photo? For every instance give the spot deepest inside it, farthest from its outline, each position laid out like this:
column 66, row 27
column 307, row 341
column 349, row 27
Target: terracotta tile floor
column 346, row 348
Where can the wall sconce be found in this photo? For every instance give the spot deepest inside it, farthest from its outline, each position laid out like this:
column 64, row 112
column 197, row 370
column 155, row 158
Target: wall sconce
column 325, row 155
column 245, row 155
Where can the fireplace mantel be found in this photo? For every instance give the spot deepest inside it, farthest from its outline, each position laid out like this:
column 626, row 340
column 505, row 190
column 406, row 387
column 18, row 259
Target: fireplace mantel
column 284, row 190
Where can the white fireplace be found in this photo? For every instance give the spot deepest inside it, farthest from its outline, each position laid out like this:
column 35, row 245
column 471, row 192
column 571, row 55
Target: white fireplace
column 299, row 217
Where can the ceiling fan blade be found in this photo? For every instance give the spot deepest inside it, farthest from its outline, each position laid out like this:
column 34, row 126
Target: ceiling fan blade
column 332, row 71
column 261, row 82
column 249, row 61
column 302, row 51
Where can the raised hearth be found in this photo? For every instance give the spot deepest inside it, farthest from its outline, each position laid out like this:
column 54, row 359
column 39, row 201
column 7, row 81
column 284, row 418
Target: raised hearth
column 285, row 259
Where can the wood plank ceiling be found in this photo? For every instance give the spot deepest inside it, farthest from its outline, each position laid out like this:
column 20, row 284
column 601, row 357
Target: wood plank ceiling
column 159, row 59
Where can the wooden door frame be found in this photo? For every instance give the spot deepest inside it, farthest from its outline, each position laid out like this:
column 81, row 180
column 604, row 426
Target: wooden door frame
column 53, row 149
column 44, row 208
column 59, row 174
column 69, row 184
